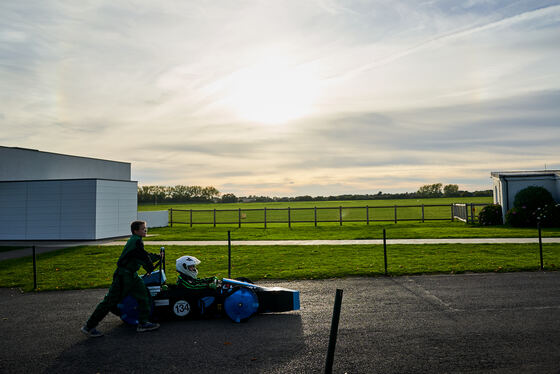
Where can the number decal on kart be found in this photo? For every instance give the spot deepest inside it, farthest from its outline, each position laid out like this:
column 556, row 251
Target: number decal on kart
column 181, row 308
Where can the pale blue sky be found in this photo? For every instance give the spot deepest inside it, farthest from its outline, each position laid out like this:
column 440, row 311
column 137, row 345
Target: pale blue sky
column 286, row 98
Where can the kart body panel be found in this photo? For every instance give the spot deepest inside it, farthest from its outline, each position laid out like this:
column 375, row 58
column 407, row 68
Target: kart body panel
column 236, row 299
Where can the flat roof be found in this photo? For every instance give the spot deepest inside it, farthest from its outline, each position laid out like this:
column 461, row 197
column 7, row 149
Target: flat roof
column 533, row 173
column 62, row 154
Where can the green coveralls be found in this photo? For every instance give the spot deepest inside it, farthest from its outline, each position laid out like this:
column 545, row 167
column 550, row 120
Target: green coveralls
column 127, row 282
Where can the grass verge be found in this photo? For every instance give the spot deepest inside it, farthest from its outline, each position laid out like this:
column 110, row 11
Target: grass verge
column 93, row 266
column 401, row 230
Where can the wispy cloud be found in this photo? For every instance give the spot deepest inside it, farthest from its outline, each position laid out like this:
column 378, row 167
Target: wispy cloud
column 404, row 92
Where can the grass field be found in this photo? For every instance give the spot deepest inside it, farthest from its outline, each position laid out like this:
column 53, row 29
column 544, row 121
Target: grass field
column 333, row 230
column 93, row 266
column 293, row 213
column 319, row 204
column 354, row 231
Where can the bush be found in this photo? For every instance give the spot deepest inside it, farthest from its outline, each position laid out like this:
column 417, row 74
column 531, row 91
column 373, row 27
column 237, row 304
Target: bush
column 532, row 205
column 490, row 215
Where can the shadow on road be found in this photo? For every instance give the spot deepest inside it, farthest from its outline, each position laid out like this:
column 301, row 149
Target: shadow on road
column 201, row 346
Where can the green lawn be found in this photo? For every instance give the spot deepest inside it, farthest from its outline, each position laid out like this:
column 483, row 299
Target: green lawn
column 92, row 266
column 319, row 204
column 322, row 212
column 354, row 231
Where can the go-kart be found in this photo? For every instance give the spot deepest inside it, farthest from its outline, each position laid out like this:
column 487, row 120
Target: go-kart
column 238, row 299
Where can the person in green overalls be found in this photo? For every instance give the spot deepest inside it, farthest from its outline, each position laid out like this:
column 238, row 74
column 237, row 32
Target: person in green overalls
column 127, row 282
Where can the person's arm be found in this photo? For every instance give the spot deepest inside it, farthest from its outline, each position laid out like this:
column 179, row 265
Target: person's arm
column 139, row 253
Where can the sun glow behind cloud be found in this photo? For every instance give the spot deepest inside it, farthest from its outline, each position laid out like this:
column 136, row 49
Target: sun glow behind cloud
column 272, row 92
column 298, row 97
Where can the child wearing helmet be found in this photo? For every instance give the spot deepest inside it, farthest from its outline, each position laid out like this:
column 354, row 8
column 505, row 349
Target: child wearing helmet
column 188, row 274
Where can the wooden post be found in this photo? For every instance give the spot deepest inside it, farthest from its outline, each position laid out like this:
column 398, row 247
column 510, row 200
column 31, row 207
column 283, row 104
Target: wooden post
column 265, row 217
column 171, row 216
column 239, row 217
column 289, row 218
column 340, row 214
column 395, row 214
column 315, row 216
column 191, row 218
column 367, row 214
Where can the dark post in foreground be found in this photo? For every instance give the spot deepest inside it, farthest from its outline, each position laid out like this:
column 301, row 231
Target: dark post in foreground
column 334, row 331
column 385, row 249
column 34, row 269
column 229, row 254
column 540, row 243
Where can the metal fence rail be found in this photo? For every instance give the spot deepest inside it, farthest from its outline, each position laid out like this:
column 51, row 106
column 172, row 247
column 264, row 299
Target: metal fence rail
column 316, row 215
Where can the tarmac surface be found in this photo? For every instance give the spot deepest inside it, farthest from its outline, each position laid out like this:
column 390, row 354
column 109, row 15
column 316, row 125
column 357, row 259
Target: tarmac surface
column 467, row 323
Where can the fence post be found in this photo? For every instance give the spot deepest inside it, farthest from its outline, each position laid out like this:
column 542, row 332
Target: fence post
column 422, row 213
column 239, row 217
column 367, row 215
column 385, row 249
column 340, row 214
column 452, row 215
column 395, row 214
column 289, row 218
column 191, row 218
column 171, row 216
column 315, row 216
column 214, row 217
column 334, row 331
column 265, row 217
column 540, row 243
column 34, row 269
column 472, row 212
column 229, row 254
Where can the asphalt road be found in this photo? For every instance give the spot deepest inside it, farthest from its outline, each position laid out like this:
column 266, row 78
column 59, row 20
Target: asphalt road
column 472, row 323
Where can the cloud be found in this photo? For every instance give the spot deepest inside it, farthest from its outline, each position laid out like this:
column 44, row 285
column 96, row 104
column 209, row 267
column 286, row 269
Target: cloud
column 408, row 92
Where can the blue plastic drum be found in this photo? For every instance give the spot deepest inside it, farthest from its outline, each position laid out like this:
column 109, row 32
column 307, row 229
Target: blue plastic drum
column 241, row 304
column 128, row 308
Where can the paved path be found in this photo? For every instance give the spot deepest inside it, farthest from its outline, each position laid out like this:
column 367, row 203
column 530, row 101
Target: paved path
column 468, row 323
column 49, row 246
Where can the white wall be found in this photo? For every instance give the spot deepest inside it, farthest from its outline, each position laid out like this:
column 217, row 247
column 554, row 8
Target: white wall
column 47, row 210
column 158, row 218
column 66, row 209
column 19, row 164
column 116, row 206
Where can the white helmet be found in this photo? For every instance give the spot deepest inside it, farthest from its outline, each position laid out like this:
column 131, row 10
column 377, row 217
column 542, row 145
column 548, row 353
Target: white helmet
column 187, row 265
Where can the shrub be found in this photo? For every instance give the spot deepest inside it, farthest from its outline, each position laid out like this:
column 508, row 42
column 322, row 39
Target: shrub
column 532, row 205
column 490, row 215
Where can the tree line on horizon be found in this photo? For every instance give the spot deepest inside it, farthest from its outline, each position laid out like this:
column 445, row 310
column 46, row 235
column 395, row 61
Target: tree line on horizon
column 209, row 194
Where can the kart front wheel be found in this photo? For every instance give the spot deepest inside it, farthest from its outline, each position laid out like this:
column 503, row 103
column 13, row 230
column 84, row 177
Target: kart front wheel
column 241, row 304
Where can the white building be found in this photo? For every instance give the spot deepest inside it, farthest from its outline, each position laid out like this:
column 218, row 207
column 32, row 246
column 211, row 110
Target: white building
column 507, row 184
column 50, row 196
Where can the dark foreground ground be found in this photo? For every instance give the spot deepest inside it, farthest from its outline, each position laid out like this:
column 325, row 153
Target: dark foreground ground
column 479, row 323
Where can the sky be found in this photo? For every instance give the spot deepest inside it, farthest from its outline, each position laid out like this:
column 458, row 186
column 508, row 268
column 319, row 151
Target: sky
column 287, row 98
